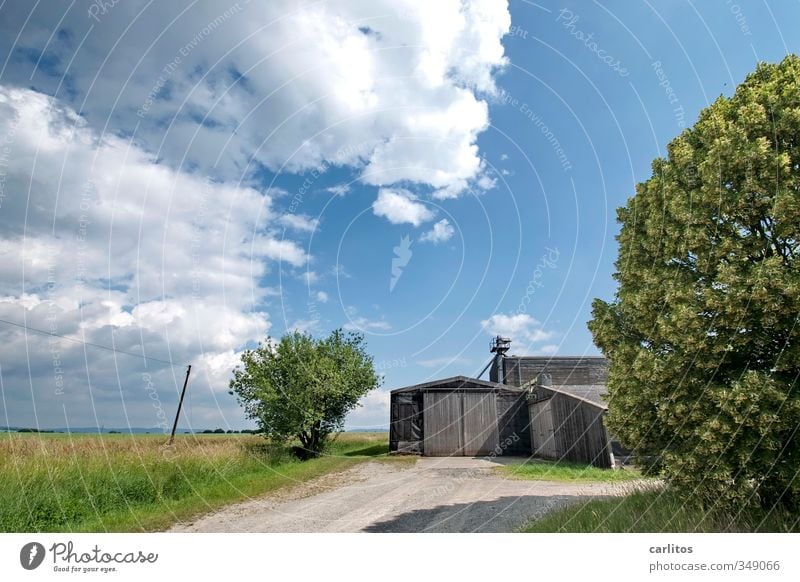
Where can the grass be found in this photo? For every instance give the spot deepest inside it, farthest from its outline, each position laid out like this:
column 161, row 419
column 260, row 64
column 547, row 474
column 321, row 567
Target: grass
column 66, row 483
column 539, row 470
column 656, row 511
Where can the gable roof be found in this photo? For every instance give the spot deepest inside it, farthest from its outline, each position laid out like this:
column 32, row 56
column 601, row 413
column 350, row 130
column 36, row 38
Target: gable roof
column 459, row 383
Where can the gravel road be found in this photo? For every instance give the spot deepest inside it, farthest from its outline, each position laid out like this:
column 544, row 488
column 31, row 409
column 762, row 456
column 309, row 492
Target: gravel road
column 453, row 494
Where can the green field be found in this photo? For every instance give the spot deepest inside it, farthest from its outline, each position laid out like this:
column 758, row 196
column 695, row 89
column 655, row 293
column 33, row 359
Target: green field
column 539, row 470
column 66, row 483
column 656, row 511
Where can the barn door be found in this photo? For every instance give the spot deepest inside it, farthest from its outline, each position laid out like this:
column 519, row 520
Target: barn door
column 480, row 424
column 442, row 421
column 543, row 435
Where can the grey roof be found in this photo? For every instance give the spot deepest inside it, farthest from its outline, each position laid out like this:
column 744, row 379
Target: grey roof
column 459, row 383
column 555, row 358
column 593, row 393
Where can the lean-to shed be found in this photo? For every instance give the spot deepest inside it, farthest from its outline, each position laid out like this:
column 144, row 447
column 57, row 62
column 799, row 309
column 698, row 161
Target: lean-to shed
column 567, row 423
column 459, row 416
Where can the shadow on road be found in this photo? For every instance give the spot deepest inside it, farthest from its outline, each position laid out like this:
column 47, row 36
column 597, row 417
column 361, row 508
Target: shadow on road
column 504, row 514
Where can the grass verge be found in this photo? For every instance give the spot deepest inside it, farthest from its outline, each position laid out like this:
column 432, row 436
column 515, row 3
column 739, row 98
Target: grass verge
column 539, row 470
column 66, row 483
column 657, row 511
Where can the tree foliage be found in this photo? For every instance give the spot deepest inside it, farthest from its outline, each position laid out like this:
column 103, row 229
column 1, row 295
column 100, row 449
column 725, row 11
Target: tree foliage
column 702, row 335
column 301, row 387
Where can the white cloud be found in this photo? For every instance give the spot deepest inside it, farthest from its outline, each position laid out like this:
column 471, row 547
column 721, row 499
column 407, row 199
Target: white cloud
column 519, row 326
column 400, row 206
column 120, row 250
column 322, row 297
column 361, row 323
column 339, row 189
column 548, row 349
column 299, row 222
column 442, row 231
column 372, row 411
column 113, row 204
column 310, row 277
column 305, row 325
column 282, row 250
column 393, row 88
column 486, row 182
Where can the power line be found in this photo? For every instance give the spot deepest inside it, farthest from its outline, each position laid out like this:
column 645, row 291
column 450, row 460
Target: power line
column 94, row 345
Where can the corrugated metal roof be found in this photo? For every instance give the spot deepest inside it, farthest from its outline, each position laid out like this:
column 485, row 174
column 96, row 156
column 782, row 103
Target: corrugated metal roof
column 594, row 393
column 458, row 383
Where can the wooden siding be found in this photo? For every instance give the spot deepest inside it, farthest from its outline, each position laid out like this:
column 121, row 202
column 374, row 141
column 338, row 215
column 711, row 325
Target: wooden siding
column 479, row 423
column 459, row 416
column 579, row 434
column 520, row 370
column 444, row 432
column 460, row 423
column 542, row 433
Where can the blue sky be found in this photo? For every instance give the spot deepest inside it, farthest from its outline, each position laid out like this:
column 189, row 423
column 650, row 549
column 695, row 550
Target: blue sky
column 429, row 176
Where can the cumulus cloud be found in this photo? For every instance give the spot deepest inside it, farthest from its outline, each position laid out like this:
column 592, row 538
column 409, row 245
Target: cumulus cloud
column 339, row 189
column 400, row 206
column 441, row 232
column 135, row 211
column 299, row 222
column 310, row 325
column 360, row 323
column 519, row 326
column 372, row 411
column 321, row 296
column 102, row 243
column 393, row 88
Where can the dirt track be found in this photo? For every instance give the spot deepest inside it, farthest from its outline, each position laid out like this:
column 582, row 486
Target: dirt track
column 434, row 495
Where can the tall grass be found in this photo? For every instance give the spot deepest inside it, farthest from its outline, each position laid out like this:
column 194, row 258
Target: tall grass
column 134, row 483
column 657, row 511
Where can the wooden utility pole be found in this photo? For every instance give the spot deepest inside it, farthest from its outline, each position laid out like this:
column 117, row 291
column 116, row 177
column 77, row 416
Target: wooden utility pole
column 180, row 403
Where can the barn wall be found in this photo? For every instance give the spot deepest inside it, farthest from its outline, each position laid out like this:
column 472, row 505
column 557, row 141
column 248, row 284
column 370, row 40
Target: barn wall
column 577, row 429
column 459, row 422
column 543, row 442
column 580, row 432
column 513, row 424
column 444, row 425
column 518, row 371
column 479, row 417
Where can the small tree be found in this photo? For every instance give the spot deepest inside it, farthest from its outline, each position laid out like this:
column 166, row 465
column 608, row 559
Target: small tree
column 303, row 388
column 703, row 336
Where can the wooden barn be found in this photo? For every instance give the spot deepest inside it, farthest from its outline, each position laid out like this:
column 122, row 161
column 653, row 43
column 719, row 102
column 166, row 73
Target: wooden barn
column 549, row 407
column 567, row 399
column 460, row 416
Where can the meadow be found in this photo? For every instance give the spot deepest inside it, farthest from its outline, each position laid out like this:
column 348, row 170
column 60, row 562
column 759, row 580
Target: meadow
column 657, row 510
column 122, row 482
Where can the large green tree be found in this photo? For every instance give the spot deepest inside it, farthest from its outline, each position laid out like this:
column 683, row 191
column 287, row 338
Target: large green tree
column 301, row 387
column 703, row 335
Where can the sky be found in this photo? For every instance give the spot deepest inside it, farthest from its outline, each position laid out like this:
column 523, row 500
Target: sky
column 181, row 180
